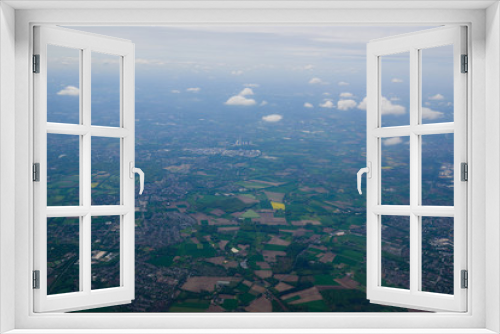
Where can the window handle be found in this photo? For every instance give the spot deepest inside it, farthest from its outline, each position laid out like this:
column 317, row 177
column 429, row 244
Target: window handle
column 134, row 170
column 368, row 171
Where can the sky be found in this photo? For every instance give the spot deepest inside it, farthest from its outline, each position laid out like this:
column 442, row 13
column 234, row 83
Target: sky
column 274, row 68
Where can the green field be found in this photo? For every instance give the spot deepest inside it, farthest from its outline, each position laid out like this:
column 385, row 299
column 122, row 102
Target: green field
column 190, row 305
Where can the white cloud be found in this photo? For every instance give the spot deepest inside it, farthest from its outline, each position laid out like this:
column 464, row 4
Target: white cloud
column 194, row 90
column 143, row 61
column 343, row 83
column 396, row 80
column 346, row 104
column 315, row 81
column 246, row 91
column 263, row 103
column 362, row 104
column 428, row 113
column 272, row 118
column 239, row 100
column 69, row 91
column 237, row 72
column 308, row 105
column 346, row 94
column 387, row 107
column 327, row 104
column 436, row 97
column 391, row 109
column 251, row 85
column 175, row 91
column 395, row 99
column 307, row 67
column 393, row 141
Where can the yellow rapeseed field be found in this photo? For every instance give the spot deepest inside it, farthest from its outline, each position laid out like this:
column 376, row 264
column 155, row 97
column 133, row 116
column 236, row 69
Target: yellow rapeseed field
column 278, row 206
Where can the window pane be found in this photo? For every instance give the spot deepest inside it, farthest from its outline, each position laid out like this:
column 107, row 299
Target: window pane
column 395, row 170
column 105, row 252
column 105, row 171
column 63, row 84
column 63, row 253
column 105, row 89
column 395, row 89
column 437, row 170
column 437, row 84
column 63, row 170
column 437, row 254
column 396, row 251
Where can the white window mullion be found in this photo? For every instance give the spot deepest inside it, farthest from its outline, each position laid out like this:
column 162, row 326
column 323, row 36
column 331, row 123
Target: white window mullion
column 123, row 177
column 103, row 131
column 373, row 249
column 80, row 129
column 434, row 128
column 421, row 129
column 128, row 161
column 414, row 170
column 421, row 211
column 86, row 249
column 378, row 274
column 40, row 156
column 86, row 173
column 395, row 131
column 86, row 157
column 460, row 155
column 80, row 211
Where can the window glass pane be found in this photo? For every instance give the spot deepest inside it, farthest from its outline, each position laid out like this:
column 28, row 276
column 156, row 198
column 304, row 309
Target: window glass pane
column 63, row 253
column 396, row 251
column 395, row 89
column 105, row 171
column 395, row 170
column 437, row 170
column 63, row 170
column 105, row 252
column 437, row 254
column 105, row 89
column 63, row 84
column 437, row 84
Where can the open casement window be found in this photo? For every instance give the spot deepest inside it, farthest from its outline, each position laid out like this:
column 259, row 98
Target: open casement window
column 416, row 195
column 83, row 170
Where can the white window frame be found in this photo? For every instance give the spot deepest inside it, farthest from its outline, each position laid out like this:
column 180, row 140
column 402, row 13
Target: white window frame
column 483, row 124
column 86, row 44
column 412, row 44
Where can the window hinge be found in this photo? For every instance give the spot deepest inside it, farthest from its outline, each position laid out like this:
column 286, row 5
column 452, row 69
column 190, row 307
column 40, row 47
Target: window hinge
column 465, row 279
column 36, row 172
column 464, row 169
column 36, row 279
column 465, row 64
column 36, row 63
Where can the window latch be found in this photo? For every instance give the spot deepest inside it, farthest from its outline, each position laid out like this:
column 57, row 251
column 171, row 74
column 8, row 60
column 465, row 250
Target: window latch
column 368, row 171
column 139, row 171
